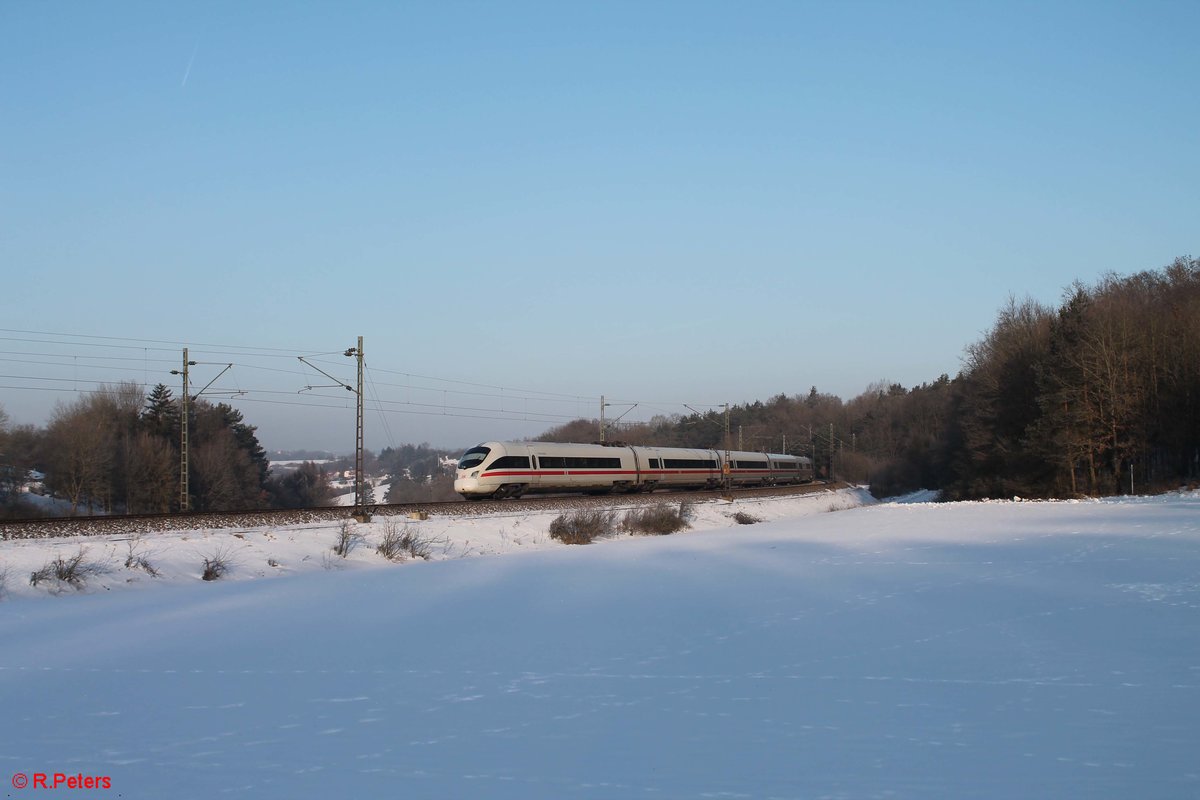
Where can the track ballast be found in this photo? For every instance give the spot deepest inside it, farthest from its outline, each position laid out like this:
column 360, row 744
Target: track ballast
column 131, row 524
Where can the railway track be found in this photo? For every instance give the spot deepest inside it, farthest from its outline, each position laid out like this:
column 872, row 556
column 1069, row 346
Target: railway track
column 62, row 527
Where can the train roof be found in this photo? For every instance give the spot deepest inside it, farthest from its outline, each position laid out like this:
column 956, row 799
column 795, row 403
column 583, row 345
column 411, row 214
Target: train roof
column 563, row 447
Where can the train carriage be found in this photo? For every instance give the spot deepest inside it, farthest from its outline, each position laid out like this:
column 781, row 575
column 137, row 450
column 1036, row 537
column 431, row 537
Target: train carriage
column 511, row 469
column 747, row 469
column 791, row 469
column 677, row 467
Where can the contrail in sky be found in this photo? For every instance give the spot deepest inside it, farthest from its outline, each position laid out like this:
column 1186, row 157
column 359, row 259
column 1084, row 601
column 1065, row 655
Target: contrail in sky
column 191, row 60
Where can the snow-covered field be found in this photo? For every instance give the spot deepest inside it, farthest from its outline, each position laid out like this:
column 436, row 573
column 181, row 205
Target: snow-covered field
column 991, row 650
column 252, row 553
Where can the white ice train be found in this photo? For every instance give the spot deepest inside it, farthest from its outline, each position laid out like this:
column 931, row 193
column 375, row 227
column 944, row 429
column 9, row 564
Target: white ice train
column 511, row 469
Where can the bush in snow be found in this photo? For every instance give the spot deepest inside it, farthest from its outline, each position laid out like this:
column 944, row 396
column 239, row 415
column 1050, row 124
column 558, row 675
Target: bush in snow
column 347, row 540
column 136, row 560
column 215, row 566
column 659, row 520
column 742, row 518
column 583, row 526
column 402, row 541
column 73, row 571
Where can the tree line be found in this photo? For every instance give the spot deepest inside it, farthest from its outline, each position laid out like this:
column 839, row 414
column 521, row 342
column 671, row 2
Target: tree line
column 116, row 450
column 1087, row 397
column 1080, row 399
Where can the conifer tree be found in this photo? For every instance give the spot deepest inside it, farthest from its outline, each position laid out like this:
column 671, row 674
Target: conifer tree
column 160, row 415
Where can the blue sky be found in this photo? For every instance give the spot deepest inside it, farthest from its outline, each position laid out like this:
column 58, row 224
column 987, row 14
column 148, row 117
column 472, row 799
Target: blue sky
column 660, row 202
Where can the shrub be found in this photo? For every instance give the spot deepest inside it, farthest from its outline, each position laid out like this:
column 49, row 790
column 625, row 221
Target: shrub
column 347, row 540
column 73, row 571
column 401, row 541
column 742, row 518
column 135, row 560
column 389, row 545
column 583, row 526
column 216, row 566
column 658, row 520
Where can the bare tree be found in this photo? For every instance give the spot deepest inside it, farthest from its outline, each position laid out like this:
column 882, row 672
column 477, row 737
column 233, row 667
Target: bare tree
column 152, row 469
column 80, row 453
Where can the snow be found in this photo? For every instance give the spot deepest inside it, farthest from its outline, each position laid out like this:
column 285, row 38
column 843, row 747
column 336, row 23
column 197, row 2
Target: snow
column 920, row 496
column 347, row 499
column 268, row 552
column 900, row 650
column 54, row 505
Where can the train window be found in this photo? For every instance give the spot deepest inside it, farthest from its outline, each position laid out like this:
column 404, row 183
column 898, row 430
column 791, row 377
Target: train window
column 750, row 464
column 653, row 464
column 473, row 458
column 579, row 462
column 592, row 463
column 510, row 462
column 689, row 463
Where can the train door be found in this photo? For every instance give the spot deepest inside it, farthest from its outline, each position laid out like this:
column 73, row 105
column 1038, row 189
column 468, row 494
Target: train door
column 535, row 477
column 638, row 465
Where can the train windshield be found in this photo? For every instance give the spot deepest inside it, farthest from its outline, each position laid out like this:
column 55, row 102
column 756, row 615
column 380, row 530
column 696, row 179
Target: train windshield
column 473, row 457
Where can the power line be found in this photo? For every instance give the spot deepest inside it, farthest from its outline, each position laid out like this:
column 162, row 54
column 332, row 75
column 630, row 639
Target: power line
column 576, row 398
column 529, row 395
column 383, row 404
column 446, row 386
column 61, row 380
column 412, row 408
column 387, row 429
column 274, row 352
column 86, row 344
column 245, row 351
column 153, row 341
column 240, row 350
column 94, row 358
